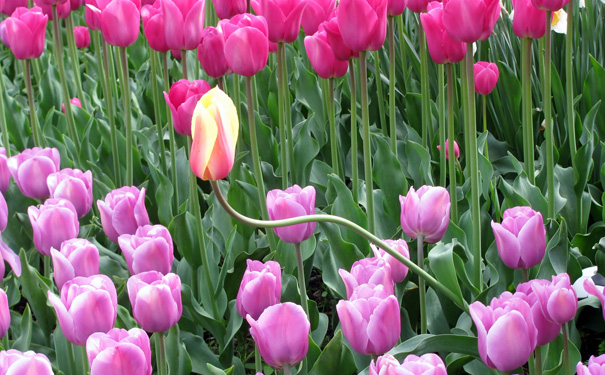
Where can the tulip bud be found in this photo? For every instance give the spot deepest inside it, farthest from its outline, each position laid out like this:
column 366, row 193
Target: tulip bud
column 153, row 26
column 226, row 9
column 31, row 168
column 73, row 101
column 5, row 314
column 442, row 48
column 82, row 36
column 120, row 22
column 529, row 21
column 119, row 352
column 77, row 257
column 486, row 77
column 259, row 289
column 447, row 149
column 123, row 211
column 211, row 52
column 8, row 6
column 292, row 202
column 425, row 212
column 149, row 249
column 596, row 366
column 340, row 49
column 73, row 185
column 283, row 18
column 182, row 100
column 417, row 6
column 363, row 23
column 398, row 270
column 54, row 222
column 25, row 31
column 156, row 300
column 184, row 22
column 14, row 362
column 322, row 57
column 373, row 271
column 315, row 13
column 5, row 174
column 557, row 299
column 246, row 43
column 470, row 20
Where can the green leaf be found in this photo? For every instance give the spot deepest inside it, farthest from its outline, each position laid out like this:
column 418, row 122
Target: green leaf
column 179, row 362
column 25, row 333
column 35, row 288
column 184, row 233
column 423, row 344
column 441, row 261
column 336, row 358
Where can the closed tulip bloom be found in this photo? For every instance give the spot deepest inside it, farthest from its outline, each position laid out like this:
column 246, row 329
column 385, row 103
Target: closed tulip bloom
column 322, row 57
column 156, row 300
column 417, row 6
column 551, row 5
column 486, row 77
column 442, row 48
column 3, row 213
column 259, row 289
column 123, row 211
column 182, row 99
column 385, row 364
column 425, row 212
column 289, row 203
column 529, row 21
column 211, row 52
column 373, row 271
column 8, row 255
column 77, row 257
column 246, row 43
column 25, row 32
column 5, row 314
column 82, row 36
column 149, row 249
column 8, row 6
column 73, row 185
column 282, row 334
column 363, row 23
column 521, row 238
column 228, row 8
column 13, row 362
column 153, row 26
column 427, row 364
column 31, row 168
column 54, row 222
column 398, row 270
column 596, row 366
column 547, row 330
column 87, row 305
column 92, row 13
column 119, row 352
column 5, row 174
column 120, row 22
column 557, row 299
column 184, row 22
column 63, row 9
column 470, row 20
column 315, row 13
column 370, row 319
column 76, row 4
column 75, row 102
column 340, row 49
column 447, row 149
column 283, row 18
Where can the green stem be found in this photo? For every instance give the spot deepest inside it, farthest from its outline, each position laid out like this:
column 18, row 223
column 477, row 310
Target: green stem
column 5, row 138
column 302, row 289
column 72, row 358
column 392, row 83
column 33, row 118
column 287, row 370
column 184, row 64
column 430, row 280
column 258, row 361
column 365, row 137
column 173, row 148
column 161, row 353
column 282, row 126
column 442, row 158
column 107, row 93
column 156, row 108
column 221, row 83
column 85, row 364
column 73, row 53
column 538, row 359
column 47, row 266
column 5, row 342
column 569, row 82
column 550, row 158
column 424, row 87
column 377, row 74
column 287, row 114
column 421, row 286
column 354, row 135
column 528, row 131
column 485, row 124
column 568, row 370
column 127, row 115
column 401, row 26
column 333, row 136
column 525, row 273
column 451, row 137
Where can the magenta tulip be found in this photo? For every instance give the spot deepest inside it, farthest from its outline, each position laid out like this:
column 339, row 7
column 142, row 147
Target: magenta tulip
column 398, row 270
column 521, row 238
column 259, row 289
column 184, row 22
column 75, row 102
column 246, row 43
column 370, row 319
column 373, row 271
column 92, row 13
column 596, row 366
column 340, row 49
column 425, row 212
column 226, row 9
column 87, row 305
column 182, row 99
column 551, row 5
column 211, row 52
column 283, row 18
column 73, row 185
column 557, row 299
column 3, row 213
column 417, row 6
column 77, row 257
column 13, row 362
column 25, row 32
column 119, row 352
column 470, row 20
column 322, row 57
column 63, row 9
column 289, row 203
column 5, row 174
column 54, row 222
column 5, row 314
column 486, row 77
column 8, row 255
column 82, row 36
column 547, row 330
column 442, row 48
column 153, row 26
column 529, row 21
column 315, row 13
column 31, row 168
column 119, row 20
column 447, row 149
column 149, row 249
column 8, row 6
column 76, row 4
column 269, row 332
column 363, row 23
column 156, row 300
column 123, row 211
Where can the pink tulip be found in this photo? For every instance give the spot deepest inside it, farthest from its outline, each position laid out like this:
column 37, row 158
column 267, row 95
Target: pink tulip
column 92, row 13
column 13, row 362
column 373, row 271
column 153, row 26
column 486, row 77
column 119, row 352
column 590, row 288
column 370, row 319
column 3, row 213
column 529, row 21
column 385, row 364
column 76, row 4
column 3, row 34
column 54, row 222
column 417, row 6
column 315, row 13
column 156, row 300
column 447, row 149
column 211, row 52
column 184, row 22
column 8, row 255
column 283, row 18
column 87, row 305
column 74, row 102
column 442, row 48
column 596, row 366
column 398, row 270
column 5, row 174
column 269, row 332
column 395, row 7
column 123, row 211
column 427, row 364
column 521, row 238
column 5, row 314
column 552, row 5
column 119, row 20
column 226, row 9
column 289, row 203
column 470, row 20
column 53, row 2
column 505, row 330
column 63, row 9
column 77, row 257
column 82, row 36
column 322, row 57
column 558, row 299
column 340, row 49
column 259, row 289
column 363, row 23
column 25, row 32
column 246, row 43
column 8, row 6
column 425, row 212
column 73, row 185
column 547, row 330
column 149, row 249
column 182, row 99
column 31, row 168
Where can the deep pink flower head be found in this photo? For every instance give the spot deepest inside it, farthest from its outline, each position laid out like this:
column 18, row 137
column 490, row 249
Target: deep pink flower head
column 123, row 211
column 153, row 26
column 82, row 36
column 211, row 52
column 8, row 255
column 76, row 4
column 547, row 330
column 552, row 5
column 505, row 330
column 283, row 18
column 259, row 289
column 182, row 99
column 276, row 348
column 558, row 299
column 373, row 271
column 529, row 21
column 92, row 13
column 30, row 169
column 25, row 32
column 87, row 305
column 340, row 49
column 184, row 22
column 398, row 270
column 119, row 352
column 521, row 238
column 156, row 300
column 5, row 314
column 74, row 102
column 442, row 48
column 8, row 6
column 370, row 319
column 596, row 366
column 363, row 23
column 52, row 2
column 73, row 185
column 246, row 43
column 54, row 222
column 13, row 362
column 470, row 20
column 322, row 57
column 315, row 13
column 149, row 249
column 486, row 77
column 447, row 149
column 590, row 288
column 425, row 212
column 395, row 7
column 417, row 6
column 77, row 257
column 289, row 203
column 5, row 173
column 120, row 22
column 228, row 8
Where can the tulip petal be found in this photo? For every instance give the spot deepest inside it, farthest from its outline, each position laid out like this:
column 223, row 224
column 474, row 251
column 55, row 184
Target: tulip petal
column 204, row 132
column 351, row 15
column 123, row 359
column 508, row 246
column 92, row 312
column 155, row 310
column 120, row 23
column 10, row 257
column 533, row 238
column 194, row 25
column 247, row 43
column 508, row 342
column 354, row 326
column 285, row 209
column 384, row 326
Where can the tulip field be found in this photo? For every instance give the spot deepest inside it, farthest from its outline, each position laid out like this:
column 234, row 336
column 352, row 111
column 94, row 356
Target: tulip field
column 314, row 187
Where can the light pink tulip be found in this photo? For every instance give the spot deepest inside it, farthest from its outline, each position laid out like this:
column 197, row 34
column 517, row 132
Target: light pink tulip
column 289, row 203
column 82, row 36
column 557, row 299
column 226, row 9
column 73, row 185
column 470, row 20
column 283, row 18
column 77, row 257
column 5, row 314
column 425, row 212
column 8, row 255
column 31, row 168
column 246, row 43
column 486, row 77
column 442, row 48
column 182, row 99
column 149, row 249
column 156, row 300
column 596, row 366
column 529, row 21
column 54, row 222
column 363, row 23
column 385, row 364
column 447, row 149
column 398, row 270
column 13, row 362
column 25, row 31
column 259, row 289
column 552, row 5
column 5, row 174
column 119, row 352
column 211, row 52
column 547, row 330
column 373, row 271
column 8, row 6
column 340, row 49
column 123, row 211
column 315, row 13
column 322, row 57
column 427, row 364
column 153, row 26
column 184, row 22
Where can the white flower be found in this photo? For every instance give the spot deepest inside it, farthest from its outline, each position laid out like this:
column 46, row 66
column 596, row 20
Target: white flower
column 559, row 21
